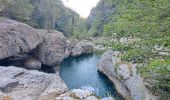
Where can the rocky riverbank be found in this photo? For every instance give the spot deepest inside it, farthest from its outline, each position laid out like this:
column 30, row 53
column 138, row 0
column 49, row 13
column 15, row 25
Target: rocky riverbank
column 33, row 48
column 124, row 75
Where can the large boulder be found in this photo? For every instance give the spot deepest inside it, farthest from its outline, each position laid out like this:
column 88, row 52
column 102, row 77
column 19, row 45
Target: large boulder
column 124, row 76
column 22, row 84
column 81, row 48
column 16, row 38
column 53, row 49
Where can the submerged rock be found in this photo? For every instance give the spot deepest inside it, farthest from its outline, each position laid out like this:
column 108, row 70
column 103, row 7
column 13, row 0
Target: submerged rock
column 16, row 38
column 30, row 85
column 124, row 76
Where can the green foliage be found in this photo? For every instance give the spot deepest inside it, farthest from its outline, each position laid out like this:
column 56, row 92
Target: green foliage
column 158, row 70
column 137, row 55
column 121, row 47
column 19, row 9
column 49, row 14
column 142, row 18
column 150, row 42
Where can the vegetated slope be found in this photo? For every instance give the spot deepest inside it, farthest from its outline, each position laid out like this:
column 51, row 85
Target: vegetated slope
column 145, row 28
column 49, row 14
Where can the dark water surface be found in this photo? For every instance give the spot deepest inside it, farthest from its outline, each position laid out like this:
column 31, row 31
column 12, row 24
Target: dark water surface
column 81, row 72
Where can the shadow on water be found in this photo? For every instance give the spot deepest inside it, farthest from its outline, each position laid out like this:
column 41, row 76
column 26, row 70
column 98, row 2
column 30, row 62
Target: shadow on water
column 81, row 72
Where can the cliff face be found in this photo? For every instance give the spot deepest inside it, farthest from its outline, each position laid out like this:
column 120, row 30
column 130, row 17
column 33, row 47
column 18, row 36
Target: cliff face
column 50, row 14
column 99, row 16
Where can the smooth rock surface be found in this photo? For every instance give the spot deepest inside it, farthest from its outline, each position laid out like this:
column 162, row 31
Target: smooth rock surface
column 137, row 88
column 33, row 84
column 16, row 38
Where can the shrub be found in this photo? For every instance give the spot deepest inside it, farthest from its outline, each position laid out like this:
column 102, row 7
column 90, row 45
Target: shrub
column 158, row 70
column 137, row 55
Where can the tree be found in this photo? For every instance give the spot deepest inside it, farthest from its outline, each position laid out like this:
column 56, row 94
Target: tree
column 18, row 9
column 51, row 11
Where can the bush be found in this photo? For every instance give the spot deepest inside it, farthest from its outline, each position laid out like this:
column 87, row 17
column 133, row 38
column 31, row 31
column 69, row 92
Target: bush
column 121, row 47
column 158, row 70
column 137, row 55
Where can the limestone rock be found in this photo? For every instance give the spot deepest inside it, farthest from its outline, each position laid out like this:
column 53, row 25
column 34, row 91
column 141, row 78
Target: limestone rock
column 107, row 65
column 124, row 76
column 53, row 49
column 7, row 84
column 81, row 48
column 108, row 98
column 76, row 51
column 57, row 87
column 91, row 98
column 31, row 83
column 16, row 38
column 75, row 94
column 124, row 71
column 137, row 88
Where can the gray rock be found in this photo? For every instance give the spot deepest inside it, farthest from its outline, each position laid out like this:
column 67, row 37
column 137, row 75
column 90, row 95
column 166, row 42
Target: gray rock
column 16, row 38
column 107, row 65
column 164, row 53
column 76, row 51
column 32, row 64
column 10, row 71
column 32, row 84
column 7, row 84
column 81, row 48
column 124, row 71
column 75, row 94
column 53, row 49
column 91, row 98
column 136, row 87
column 86, row 49
column 56, row 87
column 123, row 74
column 108, row 98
